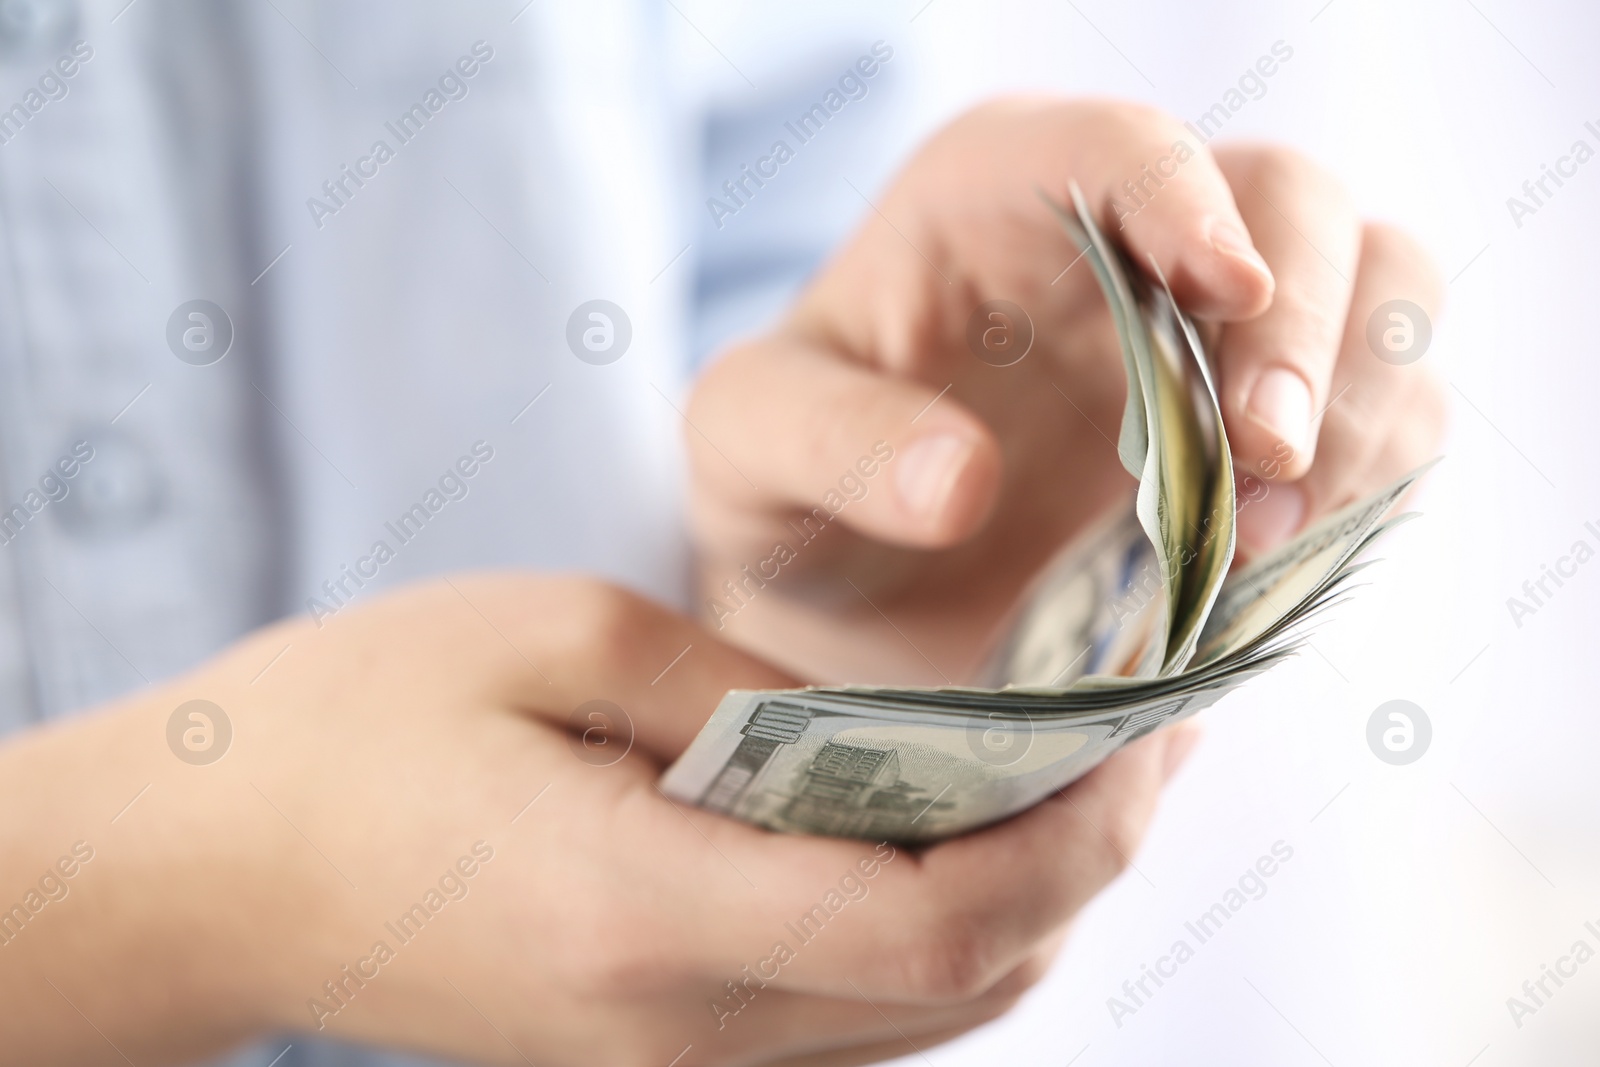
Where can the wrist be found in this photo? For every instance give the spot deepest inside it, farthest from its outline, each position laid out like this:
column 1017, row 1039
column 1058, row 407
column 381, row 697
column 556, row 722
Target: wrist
column 169, row 933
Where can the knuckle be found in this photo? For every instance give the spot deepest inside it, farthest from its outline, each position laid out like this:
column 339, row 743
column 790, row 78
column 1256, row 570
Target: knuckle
column 500, row 599
column 1427, row 416
column 1129, row 125
column 632, row 1046
column 1114, row 860
column 1356, row 415
column 1391, row 438
column 1432, row 401
column 994, row 1008
column 1128, row 114
column 1280, row 166
column 997, row 1002
column 609, row 617
column 717, row 383
column 1394, row 251
column 1123, row 831
column 1097, row 860
column 1141, row 127
column 615, row 963
column 599, row 621
column 1099, row 849
column 1021, row 978
column 951, row 965
column 1005, row 112
column 604, row 969
column 1305, row 307
column 608, row 970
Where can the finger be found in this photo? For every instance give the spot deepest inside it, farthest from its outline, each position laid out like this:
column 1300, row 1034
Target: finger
column 1376, row 402
column 736, row 1018
column 814, row 915
column 906, row 1043
column 788, row 428
column 1370, row 398
column 856, row 1029
column 1141, row 172
column 1412, row 439
column 1039, row 869
column 877, row 1052
column 1271, row 512
column 947, row 923
column 1276, row 369
column 564, row 643
column 1173, row 206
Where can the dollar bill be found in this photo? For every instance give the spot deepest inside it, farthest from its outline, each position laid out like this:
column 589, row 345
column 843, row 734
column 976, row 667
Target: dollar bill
column 1185, row 501
column 1136, row 624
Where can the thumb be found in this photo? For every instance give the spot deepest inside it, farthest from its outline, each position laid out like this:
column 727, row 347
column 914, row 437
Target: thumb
column 787, row 429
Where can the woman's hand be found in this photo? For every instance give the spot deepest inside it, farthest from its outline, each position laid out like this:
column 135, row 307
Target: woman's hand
column 432, row 824
column 994, row 467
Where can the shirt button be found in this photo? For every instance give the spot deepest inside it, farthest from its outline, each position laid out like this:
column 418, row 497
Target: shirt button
column 31, row 28
column 117, row 491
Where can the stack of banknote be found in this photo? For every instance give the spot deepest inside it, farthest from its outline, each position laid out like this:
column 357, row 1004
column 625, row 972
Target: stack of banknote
column 1135, row 624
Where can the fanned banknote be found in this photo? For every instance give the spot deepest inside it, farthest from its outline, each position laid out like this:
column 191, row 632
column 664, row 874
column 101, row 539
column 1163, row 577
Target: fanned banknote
column 1135, row 624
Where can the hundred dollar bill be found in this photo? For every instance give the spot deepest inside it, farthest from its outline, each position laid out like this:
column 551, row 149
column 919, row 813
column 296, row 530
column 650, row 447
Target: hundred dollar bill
column 1185, row 501
column 1134, row 625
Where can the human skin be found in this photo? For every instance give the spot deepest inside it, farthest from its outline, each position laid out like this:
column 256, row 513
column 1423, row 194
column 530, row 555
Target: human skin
column 382, row 747
column 435, row 724
column 994, row 468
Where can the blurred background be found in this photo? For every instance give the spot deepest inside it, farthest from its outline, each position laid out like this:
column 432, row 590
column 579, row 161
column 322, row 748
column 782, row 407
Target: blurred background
column 180, row 160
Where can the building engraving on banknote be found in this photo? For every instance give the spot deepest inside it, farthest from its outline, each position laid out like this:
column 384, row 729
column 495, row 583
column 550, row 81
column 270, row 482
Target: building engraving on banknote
column 773, row 723
column 843, row 790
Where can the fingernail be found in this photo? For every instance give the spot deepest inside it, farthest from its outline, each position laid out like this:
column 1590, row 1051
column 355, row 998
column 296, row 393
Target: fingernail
column 1181, row 740
column 1274, row 518
column 1281, row 405
column 927, row 471
column 1231, row 240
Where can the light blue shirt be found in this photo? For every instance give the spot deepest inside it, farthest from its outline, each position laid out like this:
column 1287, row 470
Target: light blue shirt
column 390, row 364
